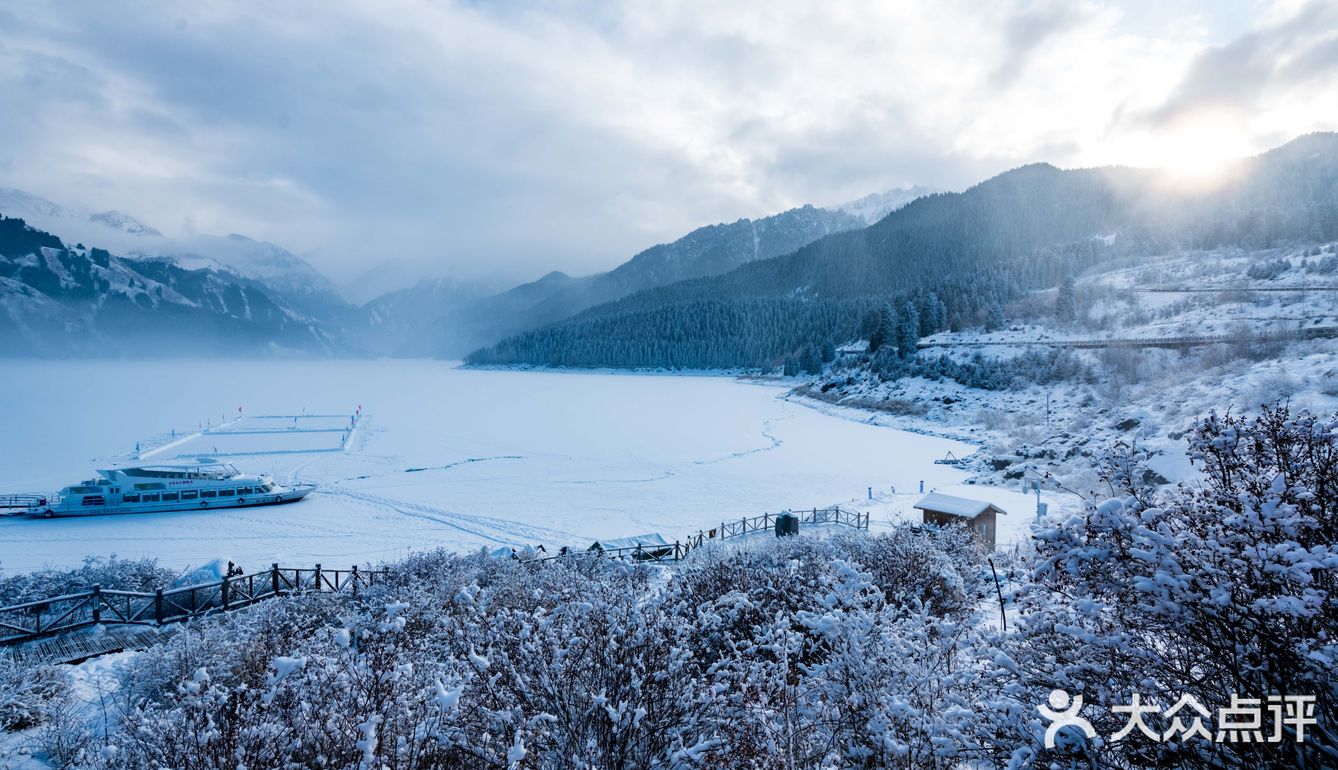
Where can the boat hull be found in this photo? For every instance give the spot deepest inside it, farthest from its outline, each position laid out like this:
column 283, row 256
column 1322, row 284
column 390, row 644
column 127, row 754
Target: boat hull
column 276, row 497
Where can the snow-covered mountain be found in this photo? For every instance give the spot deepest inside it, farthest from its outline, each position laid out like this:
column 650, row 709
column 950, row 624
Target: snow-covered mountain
column 875, row 206
column 61, row 300
column 704, row 252
column 124, row 223
column 392, row 275
column 282, row 271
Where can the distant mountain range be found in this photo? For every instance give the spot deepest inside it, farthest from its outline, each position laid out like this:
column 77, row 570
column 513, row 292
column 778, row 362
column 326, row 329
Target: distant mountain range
column 948, row 255
column 445, row 318
column 705, row 251
column 437, row 317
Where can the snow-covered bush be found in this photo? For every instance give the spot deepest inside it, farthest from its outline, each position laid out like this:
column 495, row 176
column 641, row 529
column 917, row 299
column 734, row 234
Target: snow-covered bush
column 1214, row 591
column 1269, row 269
column 110, row 573
column 828, row 653
column 28, row 695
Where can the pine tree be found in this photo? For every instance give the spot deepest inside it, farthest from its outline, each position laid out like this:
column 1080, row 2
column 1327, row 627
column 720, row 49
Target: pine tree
column 994, row 320
column 809, row 360
column 1066, row 309
column 884, row 331
column 908, row 330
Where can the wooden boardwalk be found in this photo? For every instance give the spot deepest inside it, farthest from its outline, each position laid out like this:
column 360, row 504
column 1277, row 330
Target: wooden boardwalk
column 86, row 643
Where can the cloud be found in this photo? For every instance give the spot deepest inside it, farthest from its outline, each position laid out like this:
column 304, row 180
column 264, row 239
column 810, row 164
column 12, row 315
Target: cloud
column 508, row 139
column 1238, row 77
column 1029, row 28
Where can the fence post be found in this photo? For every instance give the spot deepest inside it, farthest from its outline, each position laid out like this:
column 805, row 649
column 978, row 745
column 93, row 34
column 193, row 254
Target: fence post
column 354, row 580
column 158, row 606
column 224, row 592
column 317, row 578
column 274, row 577
column 97, row 604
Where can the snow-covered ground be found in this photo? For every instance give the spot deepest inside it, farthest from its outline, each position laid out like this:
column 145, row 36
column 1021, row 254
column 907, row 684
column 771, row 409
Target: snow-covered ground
column 442, row 457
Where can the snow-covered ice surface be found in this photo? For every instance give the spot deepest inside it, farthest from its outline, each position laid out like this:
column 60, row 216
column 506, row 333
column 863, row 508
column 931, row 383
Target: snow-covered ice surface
column 443, row 456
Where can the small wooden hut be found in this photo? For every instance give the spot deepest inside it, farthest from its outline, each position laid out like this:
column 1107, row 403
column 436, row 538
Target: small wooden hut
column 942, row 510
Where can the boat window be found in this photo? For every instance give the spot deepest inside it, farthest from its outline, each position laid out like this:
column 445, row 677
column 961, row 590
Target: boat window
column 226, row 492
column 244, row 491
column 148, row 486
column 267, row 487
column 208, row 493
column 130, row 499
column 170, row 497
column 190, row 495
column 94, row 500
column 151, row 498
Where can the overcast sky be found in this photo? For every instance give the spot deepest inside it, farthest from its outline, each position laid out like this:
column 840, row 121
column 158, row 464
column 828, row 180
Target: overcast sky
column 510, row 138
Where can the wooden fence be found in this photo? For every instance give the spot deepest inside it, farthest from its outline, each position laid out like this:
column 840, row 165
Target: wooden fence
column 62, row 614
column 679, row 549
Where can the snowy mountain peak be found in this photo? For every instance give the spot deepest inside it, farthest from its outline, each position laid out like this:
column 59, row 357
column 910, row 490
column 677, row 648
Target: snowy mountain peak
column 875, row 206
column 17, row 203
column 124, row 222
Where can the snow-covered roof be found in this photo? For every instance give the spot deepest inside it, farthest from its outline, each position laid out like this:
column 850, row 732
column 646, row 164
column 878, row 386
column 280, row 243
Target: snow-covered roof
column 956, row 506
column 649, row 539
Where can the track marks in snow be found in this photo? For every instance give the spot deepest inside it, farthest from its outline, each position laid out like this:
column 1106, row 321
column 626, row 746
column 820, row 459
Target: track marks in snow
column 465, row 461
column 767, row 433
column 496, row 530
column 648, row 480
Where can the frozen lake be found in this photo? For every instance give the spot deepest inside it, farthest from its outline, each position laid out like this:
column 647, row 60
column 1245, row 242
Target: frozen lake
column 443, row 457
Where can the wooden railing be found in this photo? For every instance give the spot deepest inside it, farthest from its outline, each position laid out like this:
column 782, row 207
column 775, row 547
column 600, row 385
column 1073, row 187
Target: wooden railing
column 679, row 549
column 62, row 614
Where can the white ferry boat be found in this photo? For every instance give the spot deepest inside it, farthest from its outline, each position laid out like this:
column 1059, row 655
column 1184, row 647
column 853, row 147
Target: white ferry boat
column 200, row 484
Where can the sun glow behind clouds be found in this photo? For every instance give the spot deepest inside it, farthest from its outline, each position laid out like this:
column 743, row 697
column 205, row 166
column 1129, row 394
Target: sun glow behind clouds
column 1195, row 152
